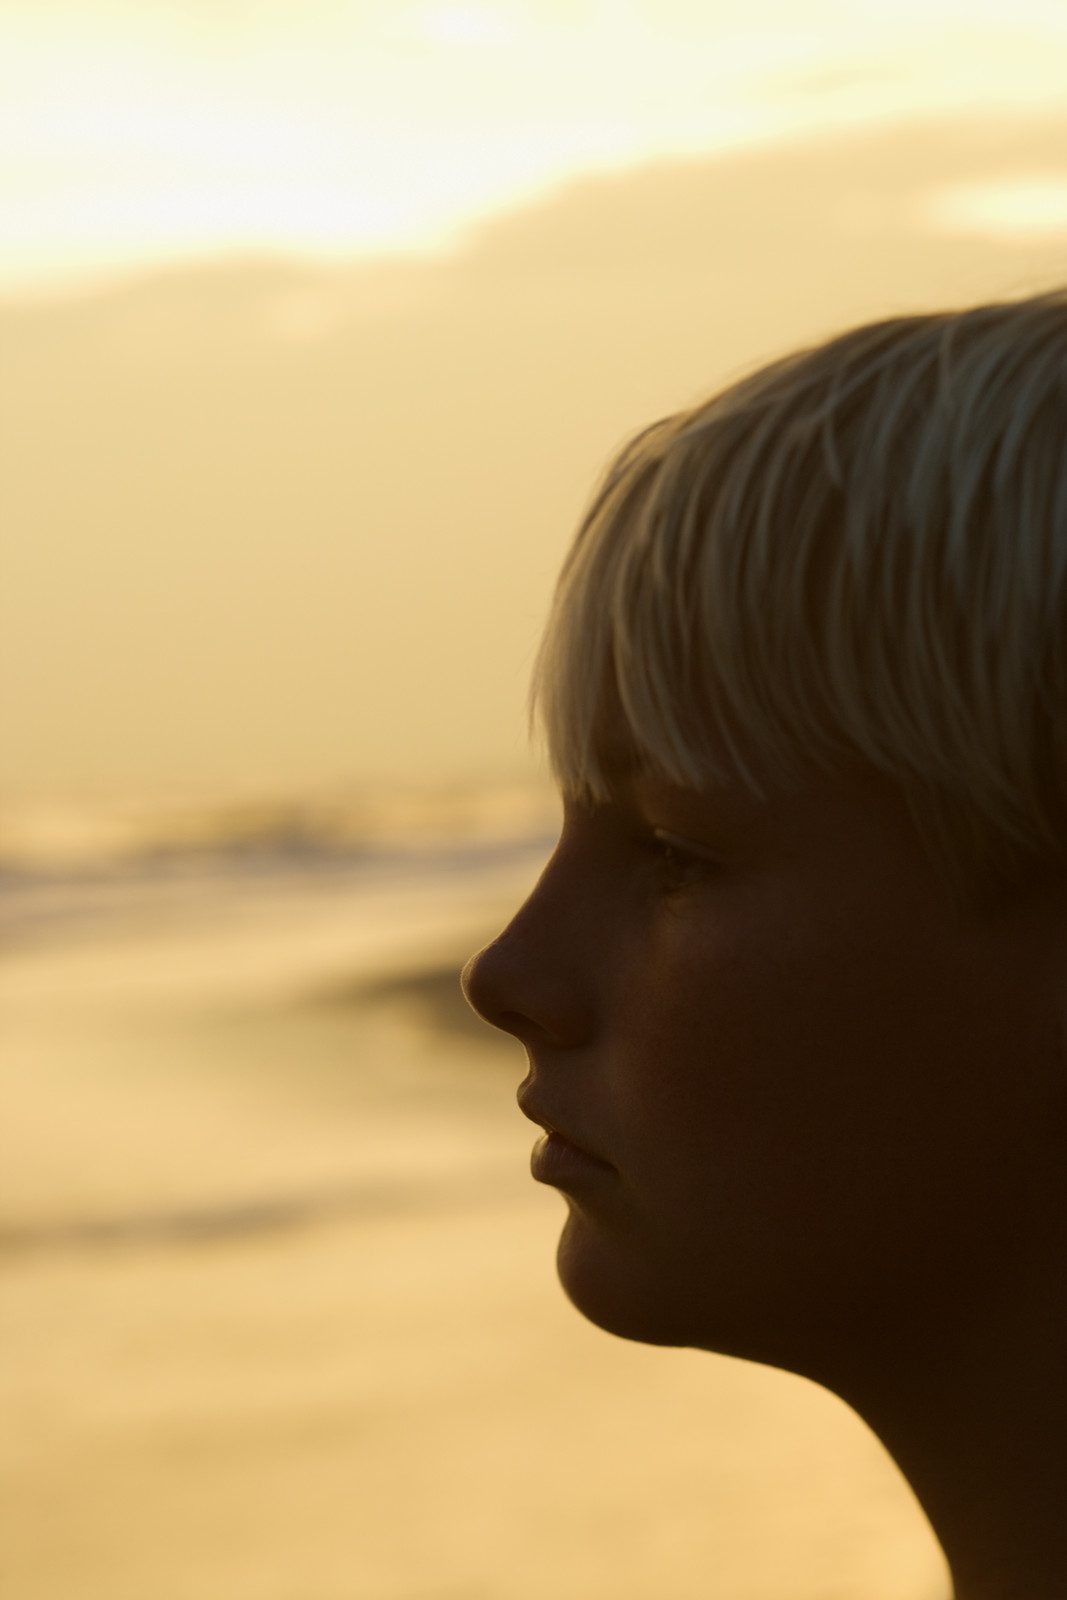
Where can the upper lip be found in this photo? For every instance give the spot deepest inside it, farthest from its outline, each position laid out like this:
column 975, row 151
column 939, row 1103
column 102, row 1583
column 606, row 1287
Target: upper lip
column 551, row 1124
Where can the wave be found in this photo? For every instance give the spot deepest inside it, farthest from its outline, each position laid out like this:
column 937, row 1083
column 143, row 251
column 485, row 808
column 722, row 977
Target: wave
column 81, row 866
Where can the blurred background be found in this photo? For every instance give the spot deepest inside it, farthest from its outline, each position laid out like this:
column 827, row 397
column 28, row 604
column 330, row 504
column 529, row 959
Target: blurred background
column 317, row 323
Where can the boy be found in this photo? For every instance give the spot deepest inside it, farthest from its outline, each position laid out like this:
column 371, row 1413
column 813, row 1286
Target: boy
column 793, row 985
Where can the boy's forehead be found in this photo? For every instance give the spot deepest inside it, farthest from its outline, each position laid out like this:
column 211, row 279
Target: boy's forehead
column 620, row 760
column 624, row 763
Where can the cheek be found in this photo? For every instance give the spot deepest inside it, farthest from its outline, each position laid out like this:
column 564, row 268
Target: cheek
column 800, row 1075
column 814, row 1127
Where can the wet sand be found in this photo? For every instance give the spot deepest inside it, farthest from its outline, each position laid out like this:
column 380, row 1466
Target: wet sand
column 280, row 1318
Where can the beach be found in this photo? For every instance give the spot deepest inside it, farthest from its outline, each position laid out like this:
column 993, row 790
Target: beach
column 280, row 1317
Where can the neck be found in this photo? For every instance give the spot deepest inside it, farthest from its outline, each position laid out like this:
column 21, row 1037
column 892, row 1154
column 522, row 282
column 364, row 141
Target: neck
column 974, row 1412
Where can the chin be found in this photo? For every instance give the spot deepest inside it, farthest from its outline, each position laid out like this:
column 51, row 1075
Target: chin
column 611, row 1294
column 629, row 1288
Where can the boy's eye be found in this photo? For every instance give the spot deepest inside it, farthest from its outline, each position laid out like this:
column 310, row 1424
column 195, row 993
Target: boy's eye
column 678, row 862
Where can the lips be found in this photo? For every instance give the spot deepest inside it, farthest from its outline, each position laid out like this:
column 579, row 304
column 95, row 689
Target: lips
column 547, row 1119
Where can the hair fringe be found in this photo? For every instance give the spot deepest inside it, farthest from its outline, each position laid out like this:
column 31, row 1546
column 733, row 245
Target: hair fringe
column 858, row 551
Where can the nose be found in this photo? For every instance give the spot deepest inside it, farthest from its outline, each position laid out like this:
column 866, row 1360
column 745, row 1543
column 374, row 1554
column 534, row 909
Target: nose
column 480, row 988
column 495, row 986
column 524, row 983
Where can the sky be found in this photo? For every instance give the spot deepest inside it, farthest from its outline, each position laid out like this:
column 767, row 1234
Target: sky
column 140, row 131
column 320, row 321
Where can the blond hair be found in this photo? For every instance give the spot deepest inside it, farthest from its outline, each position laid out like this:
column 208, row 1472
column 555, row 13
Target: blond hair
column 858, row 551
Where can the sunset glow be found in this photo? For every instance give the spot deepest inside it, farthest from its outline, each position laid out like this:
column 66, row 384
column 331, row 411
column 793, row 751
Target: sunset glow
column 144, row 134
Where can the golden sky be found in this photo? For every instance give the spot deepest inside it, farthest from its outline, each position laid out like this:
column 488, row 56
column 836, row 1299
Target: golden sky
column 320, row 320
column 139, row 130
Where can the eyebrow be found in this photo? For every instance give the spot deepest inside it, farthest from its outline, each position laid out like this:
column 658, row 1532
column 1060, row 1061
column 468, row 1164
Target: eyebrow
column 732, row 809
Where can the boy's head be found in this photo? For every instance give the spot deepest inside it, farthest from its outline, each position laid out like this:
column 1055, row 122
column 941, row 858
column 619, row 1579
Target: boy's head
column 796, row 972
column 855, row 557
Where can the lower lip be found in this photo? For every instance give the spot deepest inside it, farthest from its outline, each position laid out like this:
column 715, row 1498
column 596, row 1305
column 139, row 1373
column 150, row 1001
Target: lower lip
column 555, row 1161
